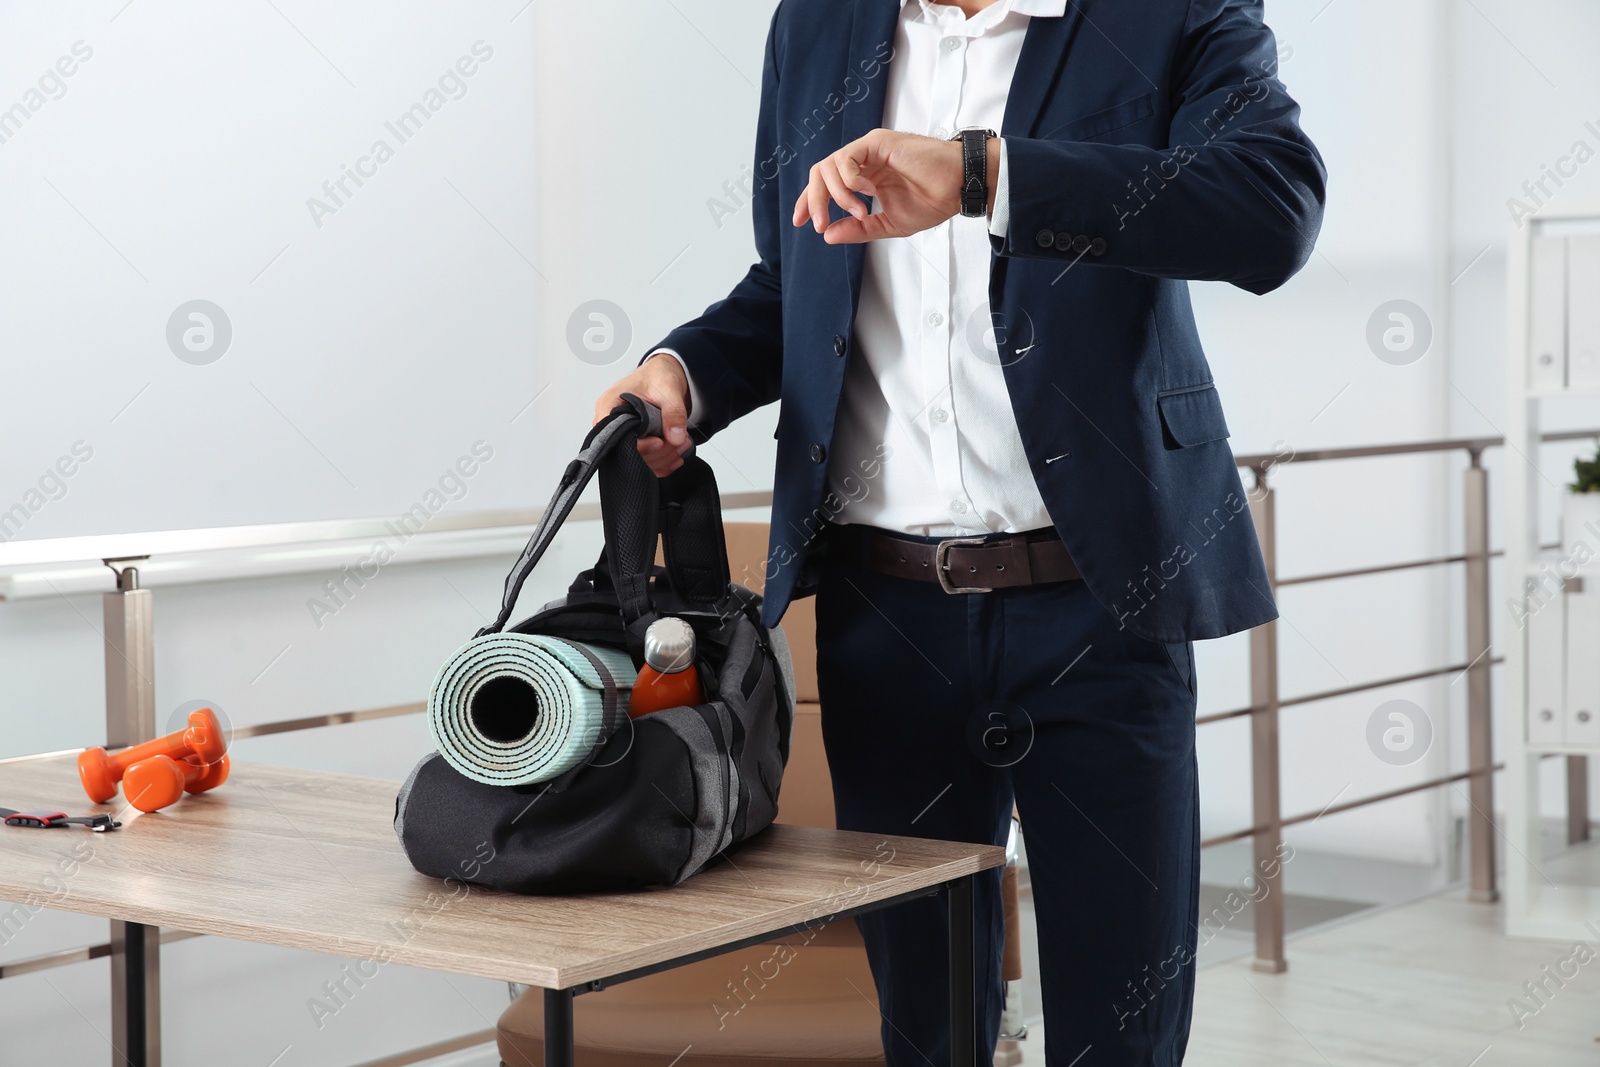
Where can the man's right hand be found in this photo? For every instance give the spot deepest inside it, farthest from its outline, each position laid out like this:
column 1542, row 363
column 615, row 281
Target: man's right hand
column 661, row 381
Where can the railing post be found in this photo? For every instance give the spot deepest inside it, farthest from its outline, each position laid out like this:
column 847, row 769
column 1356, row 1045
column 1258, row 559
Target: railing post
column 130, row 661
column 1577, row 799
column 131, row 719
column 1480, row 724
column 1267, row 809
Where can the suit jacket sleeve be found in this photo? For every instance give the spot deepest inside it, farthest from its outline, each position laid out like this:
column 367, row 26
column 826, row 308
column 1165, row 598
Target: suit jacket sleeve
column 1236, row 195
column 733, row 352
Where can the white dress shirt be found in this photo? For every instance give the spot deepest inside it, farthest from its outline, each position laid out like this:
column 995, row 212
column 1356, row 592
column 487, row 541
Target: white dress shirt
column 923, row 387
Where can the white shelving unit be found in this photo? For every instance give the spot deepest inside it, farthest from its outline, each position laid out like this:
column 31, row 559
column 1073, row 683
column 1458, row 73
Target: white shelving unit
column 1553, row 655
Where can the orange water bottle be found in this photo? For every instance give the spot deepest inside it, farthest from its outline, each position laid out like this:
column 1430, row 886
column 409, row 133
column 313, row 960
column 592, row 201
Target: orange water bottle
column 668, row 678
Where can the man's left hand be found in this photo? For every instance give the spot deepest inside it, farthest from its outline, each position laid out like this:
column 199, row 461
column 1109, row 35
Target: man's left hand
column 916, row 181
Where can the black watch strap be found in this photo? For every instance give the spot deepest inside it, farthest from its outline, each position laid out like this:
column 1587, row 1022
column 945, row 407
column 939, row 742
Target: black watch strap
column 975, row 171
column 44, row 820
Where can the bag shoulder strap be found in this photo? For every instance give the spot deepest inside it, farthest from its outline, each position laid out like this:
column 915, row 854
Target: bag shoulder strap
column 685, row 510
column 635, row 417
column 692, row 538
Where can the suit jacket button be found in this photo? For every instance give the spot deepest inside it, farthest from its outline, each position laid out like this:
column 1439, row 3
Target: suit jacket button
column 1097, row 247
column 1081, row 244
column 838, row 344
column 818, row 453
column 1063, row 241
column 1045, row 238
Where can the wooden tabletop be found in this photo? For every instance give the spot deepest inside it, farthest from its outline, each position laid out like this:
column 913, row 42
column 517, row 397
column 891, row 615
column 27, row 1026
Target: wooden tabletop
column 310, row 860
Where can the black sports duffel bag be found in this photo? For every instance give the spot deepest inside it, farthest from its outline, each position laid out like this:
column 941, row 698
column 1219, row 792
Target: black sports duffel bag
column 660, row 796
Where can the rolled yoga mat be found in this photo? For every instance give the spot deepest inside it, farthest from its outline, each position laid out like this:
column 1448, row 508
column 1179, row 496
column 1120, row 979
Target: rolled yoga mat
column 516, row 709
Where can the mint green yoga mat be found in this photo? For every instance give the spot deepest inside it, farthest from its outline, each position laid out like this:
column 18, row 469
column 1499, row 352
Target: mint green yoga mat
column 516, row 709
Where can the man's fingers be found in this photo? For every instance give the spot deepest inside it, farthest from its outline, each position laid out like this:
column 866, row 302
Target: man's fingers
column 661, row 458
column 827, row 182
column 655, row 447
column 854, row 177
column 805, row 205
column 674, row 421
column 839, row 178
column 802, row 206
column 829, row 171
column 661, row 381
column 817, row 202
column 857, row 231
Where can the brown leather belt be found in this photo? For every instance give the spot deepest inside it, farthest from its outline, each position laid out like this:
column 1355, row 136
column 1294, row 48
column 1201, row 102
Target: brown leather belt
column 972, row 564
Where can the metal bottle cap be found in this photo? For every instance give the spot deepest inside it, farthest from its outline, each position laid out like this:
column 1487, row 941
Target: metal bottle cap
column 669, row 645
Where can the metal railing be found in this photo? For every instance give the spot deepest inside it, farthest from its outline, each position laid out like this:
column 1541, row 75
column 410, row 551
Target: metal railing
column 130, row 704
column 1266, row 701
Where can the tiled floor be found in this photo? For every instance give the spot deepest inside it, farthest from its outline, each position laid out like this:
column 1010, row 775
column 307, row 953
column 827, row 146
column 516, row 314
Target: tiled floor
column 1423, row 984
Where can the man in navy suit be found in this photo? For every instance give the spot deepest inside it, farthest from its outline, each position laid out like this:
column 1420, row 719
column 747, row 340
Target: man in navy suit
column 1002, row 464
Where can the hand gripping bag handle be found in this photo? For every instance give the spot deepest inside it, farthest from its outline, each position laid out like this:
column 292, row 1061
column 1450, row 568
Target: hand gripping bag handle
column 633, row 502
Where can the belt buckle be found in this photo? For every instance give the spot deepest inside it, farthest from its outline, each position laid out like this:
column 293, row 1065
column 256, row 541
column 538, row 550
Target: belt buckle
column 941, row 563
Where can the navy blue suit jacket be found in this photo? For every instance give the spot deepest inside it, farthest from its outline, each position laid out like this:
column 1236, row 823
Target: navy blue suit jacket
column 1147, row 143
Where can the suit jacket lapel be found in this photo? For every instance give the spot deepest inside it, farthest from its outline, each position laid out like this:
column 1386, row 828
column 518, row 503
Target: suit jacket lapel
column 871, row 29
column 872, row 26
column 1044, row 51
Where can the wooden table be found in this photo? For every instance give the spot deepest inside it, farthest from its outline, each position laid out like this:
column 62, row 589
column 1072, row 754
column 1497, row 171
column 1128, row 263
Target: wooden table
column 310, row 860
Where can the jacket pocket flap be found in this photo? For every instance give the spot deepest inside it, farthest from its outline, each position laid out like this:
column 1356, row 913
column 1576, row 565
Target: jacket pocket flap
column 1191, row 416
column 1115, row 117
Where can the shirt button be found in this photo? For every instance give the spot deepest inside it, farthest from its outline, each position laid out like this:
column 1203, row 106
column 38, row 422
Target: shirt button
column 942, row 133
column 818, row 453
column 958, row 506
column 838, row 344
column 940, row 415
column 1044, row 238
column 952, row 43
column 935, row 319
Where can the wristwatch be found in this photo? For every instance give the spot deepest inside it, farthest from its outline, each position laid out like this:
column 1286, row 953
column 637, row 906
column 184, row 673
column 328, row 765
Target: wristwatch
column 974, row 170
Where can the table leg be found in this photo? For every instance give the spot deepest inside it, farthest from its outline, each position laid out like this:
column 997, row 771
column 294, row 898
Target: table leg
column 963, row 974
column 558, row 1037
column 135, row 995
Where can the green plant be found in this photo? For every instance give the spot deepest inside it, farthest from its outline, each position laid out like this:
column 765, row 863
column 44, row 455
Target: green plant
column 1587, row 472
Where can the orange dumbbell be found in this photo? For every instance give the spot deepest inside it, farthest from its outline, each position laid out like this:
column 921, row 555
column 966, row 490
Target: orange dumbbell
column 202, row 739
column 152, row 784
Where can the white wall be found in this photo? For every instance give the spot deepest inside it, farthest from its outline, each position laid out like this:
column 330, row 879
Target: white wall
column 1296, row 374
column 186, row 158
column 646, row 114
column 1527, row 106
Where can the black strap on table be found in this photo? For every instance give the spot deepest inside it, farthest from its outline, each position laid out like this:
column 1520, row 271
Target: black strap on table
column 45, row 820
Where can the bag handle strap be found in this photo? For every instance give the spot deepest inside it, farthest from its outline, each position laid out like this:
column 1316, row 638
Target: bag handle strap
column 631, row 419
column 684, row 509
column 613, row 714
column 692, row 535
